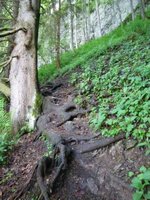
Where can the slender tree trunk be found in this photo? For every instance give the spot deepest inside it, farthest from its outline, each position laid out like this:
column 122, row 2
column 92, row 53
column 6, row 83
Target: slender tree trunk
column 76, row 40
column 23, row 67
column 98, row 17
column 142, row 8
column 71, row 23
column 58, row 18
column 132, row 9
column 83, row 21
column 88, row 18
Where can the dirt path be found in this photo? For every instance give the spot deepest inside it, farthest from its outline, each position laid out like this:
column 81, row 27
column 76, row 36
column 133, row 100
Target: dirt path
column 101, row 174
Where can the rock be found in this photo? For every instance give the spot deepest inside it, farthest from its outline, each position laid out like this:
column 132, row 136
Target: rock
column 116, row 151
column 69, row 126
column 130, row 144
column 110, row 19
column 92, row 186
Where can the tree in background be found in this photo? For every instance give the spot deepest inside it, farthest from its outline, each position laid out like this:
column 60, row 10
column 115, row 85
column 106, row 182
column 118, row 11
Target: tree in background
column 71, row 10
column 98, row 17
column 142, row 8
column 56, row 6
column 132, row 9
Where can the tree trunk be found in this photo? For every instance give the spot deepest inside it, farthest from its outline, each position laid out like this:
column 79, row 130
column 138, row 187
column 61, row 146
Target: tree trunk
column 132, row 9
column 76, row 40
column 71, row 23
column 88, row 18
column 83, row 21
column 142, row 8
column 98, row 18
column 119, row 11
column 23, row 67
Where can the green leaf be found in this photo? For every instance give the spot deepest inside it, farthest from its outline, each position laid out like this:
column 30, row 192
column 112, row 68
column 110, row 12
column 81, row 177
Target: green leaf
column 147, row 196
column 137, row 183
column 130, row 174
column 146, row 175
column 138, row 195
column 142, row 169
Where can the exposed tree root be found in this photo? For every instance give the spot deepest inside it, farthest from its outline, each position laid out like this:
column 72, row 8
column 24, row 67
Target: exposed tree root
column 101, row 143
column 56, row 163
column 67, row 116
column 61, row 152
column 48, row 89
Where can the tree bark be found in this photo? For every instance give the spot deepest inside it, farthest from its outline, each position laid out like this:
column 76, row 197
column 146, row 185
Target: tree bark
column 98, row 18
column 71, row 23
column 132, row 9
column 83, row 21
column 142, row 8
column 76, row 40
column 57, row 19
column 119, row 11
column 23, row 67
column 88, row 18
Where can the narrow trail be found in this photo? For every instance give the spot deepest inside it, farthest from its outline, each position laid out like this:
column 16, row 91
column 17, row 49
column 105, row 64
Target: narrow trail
column 99, row 174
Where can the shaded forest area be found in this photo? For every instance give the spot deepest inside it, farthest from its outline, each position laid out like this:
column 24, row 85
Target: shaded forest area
column 74, row 100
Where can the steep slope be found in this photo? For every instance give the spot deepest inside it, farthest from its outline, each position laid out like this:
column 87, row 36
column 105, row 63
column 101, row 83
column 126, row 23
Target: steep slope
column 113, row 79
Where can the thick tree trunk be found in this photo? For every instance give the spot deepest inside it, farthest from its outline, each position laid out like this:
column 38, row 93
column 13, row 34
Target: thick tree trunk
column 23, row 67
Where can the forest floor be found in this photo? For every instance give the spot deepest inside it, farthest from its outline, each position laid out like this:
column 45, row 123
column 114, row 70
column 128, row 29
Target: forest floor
column 101, row 174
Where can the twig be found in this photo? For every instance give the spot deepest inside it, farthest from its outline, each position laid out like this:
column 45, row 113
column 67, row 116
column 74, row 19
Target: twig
column 12, row 31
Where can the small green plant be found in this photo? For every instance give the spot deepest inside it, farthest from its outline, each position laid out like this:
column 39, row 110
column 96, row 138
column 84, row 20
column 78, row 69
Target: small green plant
column 141, row 184
column 7, row 177
column 146, row 145
column 48, row 145
column 6, row 139
column 118, row 84
column 25, row 129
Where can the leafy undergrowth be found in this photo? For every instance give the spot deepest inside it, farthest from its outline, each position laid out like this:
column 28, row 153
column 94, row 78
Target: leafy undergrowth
column 115, row 71
column 93, row 49
column 6, row 139
column 141, row 183
column 118, row 81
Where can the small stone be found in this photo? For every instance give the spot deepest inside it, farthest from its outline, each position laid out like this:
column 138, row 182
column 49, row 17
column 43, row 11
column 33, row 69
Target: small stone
column 69, row 126
column 92, row 186
column 130, row 144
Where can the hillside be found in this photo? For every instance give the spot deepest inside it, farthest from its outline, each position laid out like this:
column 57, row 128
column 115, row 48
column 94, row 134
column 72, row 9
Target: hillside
column 113, row 79
column 91, row 139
